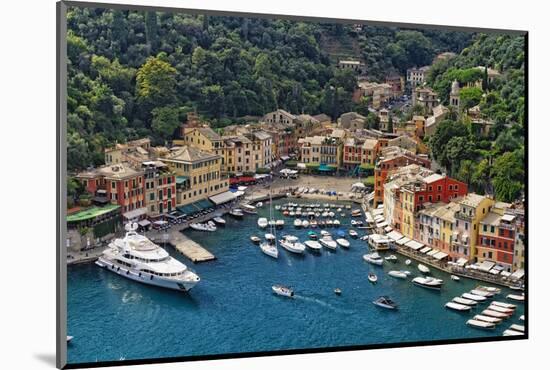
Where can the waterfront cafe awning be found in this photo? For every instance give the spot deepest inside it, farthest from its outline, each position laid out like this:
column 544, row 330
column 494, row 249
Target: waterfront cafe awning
column 486, row 266
column 181, row 179
column 425, row 250
column 388, row 229
column 239, row 193
column 379, row 218
column 505, row 273
column 323, row 167
column 394, row 235
column 413, row 244
column 382, row 224
column 203, row 204
column 440, row 255
column 403, row 241
column 301, row 166
column 223, row 197
column 378, row 212
column 144, row 223
column 461, row 261
column 432, row 252
column 518, row 274
column 135, row 213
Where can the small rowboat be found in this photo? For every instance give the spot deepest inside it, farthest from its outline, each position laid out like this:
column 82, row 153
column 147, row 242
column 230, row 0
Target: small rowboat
column 458, row 306
column 424, row 269
column 469, row 302
column 492, row 320
column 516, row 297
column 338, row 291
column 398, row 274
column 480, row 324
column 496, row 314
column 255, row 239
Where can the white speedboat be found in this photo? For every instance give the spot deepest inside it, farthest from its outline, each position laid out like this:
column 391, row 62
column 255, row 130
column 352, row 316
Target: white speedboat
column 313, row 245
column 522, row 317
column 372, row 277
column 137, row 258
column 397, row 274
column 270, row 249
column 237, row 213
column 220, row 221
column 469, row 302
column 356, row 213
column 490, row 289
column 280, row 223
column 283, row 291
column 291, row 244
column 259, row 205
column 492, row 320
column 423, row 268
column 255, row 239
column 408, row 262
column 498, row 315
column 511, row 333
column 428, row 282
column 324, row 233
column 342, row 242
column 269, row 237
column 336, row 223
column 503, row 304
column 385, row 302
column 305, row 223
column 262, row 222
column 481, row 293
column 507, row 311
column 480, row 324
column 203, row 227
column 455, row 278
column 391, row 258
column 516, row 297
column 373, row 258
column 353, row 233
column 328, row 242
column 297, row 223
column 458, row 306
column 250, row 209
column 474, row 297
column 69, row 338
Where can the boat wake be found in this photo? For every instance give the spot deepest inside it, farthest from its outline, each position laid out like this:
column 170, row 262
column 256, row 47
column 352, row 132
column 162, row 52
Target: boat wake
column 324, row 304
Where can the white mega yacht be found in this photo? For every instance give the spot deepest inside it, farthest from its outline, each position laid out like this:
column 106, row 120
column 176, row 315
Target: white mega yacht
column 137, row 258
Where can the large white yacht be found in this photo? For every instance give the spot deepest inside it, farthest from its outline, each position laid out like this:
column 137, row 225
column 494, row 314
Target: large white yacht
column 137, row 258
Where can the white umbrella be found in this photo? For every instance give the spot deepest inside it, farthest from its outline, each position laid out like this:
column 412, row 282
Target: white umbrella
column 358, row 185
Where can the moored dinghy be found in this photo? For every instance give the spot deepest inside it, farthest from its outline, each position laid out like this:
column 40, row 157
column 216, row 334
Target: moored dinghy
column 469, row 302
column 391, row 258
column 353, row 233
column 480, row 324
column 492, row 320
column 516, row 297
column 455, row 278
column 313, row 245
column 262, row 222
column 474, row 297
column 328, row 242
column 342, row 242
column 255, row 239
column 457, row 306
column 372, row 277
column 385, row 302
column 424, row 269
column 398, row 274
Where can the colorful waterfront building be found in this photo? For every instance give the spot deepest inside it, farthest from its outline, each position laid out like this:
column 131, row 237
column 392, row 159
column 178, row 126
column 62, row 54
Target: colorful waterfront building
column 472, row 209
column 201, row 137
column 118, row 184
column 198, row 174
column 159, row 187
column 390, row 159
column 237, row 154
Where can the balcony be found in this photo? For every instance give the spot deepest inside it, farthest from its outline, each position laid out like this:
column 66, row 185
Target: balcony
column 463, row 217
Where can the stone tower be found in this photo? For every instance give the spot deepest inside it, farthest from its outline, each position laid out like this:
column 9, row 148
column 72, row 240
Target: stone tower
column 454, row 97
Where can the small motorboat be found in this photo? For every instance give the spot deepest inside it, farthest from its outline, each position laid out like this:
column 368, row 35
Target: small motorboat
column 342, row 242
column 373, row 258
column 516, row 297
column 312, row 235
column 356, row 223
column 481, row 293
column 269, row 237
column 474, row 297
column 278, row 207
column 250, row 209
column 469, row 302
column 259, row 205
column 356, row 213
column 328, row 242
column 255, row 239
column 280, row 223
column 283, row 291
column 338, row 291
column 503, row 304
column 313, row 223
column 480, row 324
column 492, row 320
column 385, row 302
column 511, row 333
column 313, row 245
column 397, row 274
column 391, row 258
column 270, row 249
column 372, row 277
column 297, row 223
column 285, row 213
column 457, row 306
column 498, row 315
column 406, row 272
column 490, row 289
column 508, row 311
column 69, row 338
column 220, row 221
column 516, row 287
column 353, row 233
column 408, row 262
column 423, row 268
column 428, row 282
column 522, row 317
column 262, row 222
column 325, row 233
column 336, row 223
column 203, row 227
column 237, row 213
column 455, row 278
column 518, row 327
column 305, row 223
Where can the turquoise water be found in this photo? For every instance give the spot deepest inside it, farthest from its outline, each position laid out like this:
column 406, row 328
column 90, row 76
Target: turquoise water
column 233, row 310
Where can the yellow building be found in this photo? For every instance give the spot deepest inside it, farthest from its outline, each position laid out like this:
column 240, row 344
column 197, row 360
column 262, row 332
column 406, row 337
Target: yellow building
column 407, row 212
column 237, row 154
column 473, row 208
column 203, row 138
column 198, row 174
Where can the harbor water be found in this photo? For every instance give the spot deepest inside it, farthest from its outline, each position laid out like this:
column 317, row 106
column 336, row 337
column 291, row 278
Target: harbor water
column 233, row 309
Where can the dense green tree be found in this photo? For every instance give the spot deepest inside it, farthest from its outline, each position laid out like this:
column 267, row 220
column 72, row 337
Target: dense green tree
column 155, row 83
column 165, row 122
column 508, row 176
column 469, row 97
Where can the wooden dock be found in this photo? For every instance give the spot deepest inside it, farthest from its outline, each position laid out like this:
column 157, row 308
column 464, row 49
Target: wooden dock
column 190, row 249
